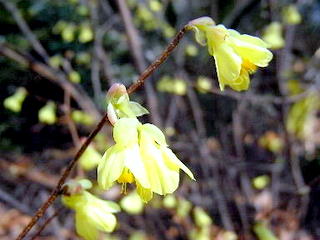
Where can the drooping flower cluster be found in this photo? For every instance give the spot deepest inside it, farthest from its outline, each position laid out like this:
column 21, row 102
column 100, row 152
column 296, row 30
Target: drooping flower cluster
column 272, row 35
column 140, row 154
column 91, row 213
column 236, row 55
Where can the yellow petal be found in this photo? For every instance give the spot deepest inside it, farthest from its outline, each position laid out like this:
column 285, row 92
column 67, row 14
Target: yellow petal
column 100, row 218
column 242, row 82
column 163, row 180
column 125, row 131
column 254, row 53
column 144, row 193
column 173, row 162
column 111, row 166
column 85, row 228
column 154, row 132
column 252, row 40
column 135, row 164
column 228, row 64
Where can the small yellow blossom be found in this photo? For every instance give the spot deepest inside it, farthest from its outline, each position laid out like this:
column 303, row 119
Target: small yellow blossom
column 291, row 15
column 236, row 55
column 90, row 158
column 91, row 214
column 273, row 35
column 81, row 117
column 203, row 84
column 14, row 102
column 132, row 203
column 201, row 218
column 47, row 114
column 140, row 156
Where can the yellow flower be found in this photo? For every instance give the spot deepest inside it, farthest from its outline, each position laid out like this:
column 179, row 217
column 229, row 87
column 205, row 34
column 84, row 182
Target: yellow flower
column 291, row 15
column 236, row 55
column 132, row 203
column 140, row 156
column 90, row 158
column 47, row 114
column 14, row 102
column 91, row 214
column 273, row 35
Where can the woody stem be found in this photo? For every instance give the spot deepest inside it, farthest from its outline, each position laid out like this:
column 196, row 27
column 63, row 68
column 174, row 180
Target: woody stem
column 57, row 190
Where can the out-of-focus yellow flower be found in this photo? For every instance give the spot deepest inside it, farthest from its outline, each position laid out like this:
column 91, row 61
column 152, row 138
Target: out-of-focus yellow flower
column 300, row 113
column 200, row 234
column 201, row 218
column 169, row 201
column 47, row 114
column 138, row 235
column 191, row 50
column 236, row 55
column 56, row 61
column 183, row 207
column 272, row 35
column 82, row 117
column 203, row 84
column 14, row 102
column 155, row 5
column 85, row 33
column 179, row 87
column 168, row 30
column 68, row 32
column 291, row 15
column 263, row 232
column 228, row 235
column 260, row 182
column 140, row 156
column 132, row 203
column 271, row 141
column 90, row 158
column 74, row 77
column 172, row 85
column 91, row 213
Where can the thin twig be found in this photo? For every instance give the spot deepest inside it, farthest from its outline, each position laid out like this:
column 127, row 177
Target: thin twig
column 55, row 193
column 46, row 223
column 70, row 123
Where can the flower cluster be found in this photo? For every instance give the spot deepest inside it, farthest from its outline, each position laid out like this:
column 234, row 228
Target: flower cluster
column 140, row 154
column 236, row 55
column 91, row 213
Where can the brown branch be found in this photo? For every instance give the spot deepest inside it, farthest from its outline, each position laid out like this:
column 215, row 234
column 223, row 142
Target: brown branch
column 146, row 73
column 55, row 193
column 46, row 223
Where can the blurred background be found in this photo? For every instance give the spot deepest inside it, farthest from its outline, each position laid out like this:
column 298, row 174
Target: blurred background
column 255, row 154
